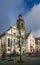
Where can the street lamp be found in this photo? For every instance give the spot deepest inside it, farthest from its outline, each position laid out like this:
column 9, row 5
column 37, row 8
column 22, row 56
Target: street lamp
column 20, row 45
column 14, row 51
column 14, row 48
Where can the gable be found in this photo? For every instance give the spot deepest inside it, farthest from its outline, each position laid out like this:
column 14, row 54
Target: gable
column 9, row 31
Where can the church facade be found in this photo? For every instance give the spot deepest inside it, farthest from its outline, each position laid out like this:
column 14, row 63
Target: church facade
column 14, row 37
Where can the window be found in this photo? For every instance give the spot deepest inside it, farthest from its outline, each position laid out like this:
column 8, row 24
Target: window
column 30, row 39
column 8, row 42
column 9, row 49
column 39, row 50
column 14, row 33
column 30, row 36
column 38, row 41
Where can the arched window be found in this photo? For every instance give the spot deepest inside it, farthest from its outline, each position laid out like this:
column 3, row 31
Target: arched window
column 8, row 42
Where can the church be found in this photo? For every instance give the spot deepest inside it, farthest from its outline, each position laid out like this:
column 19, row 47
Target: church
column 15, row 37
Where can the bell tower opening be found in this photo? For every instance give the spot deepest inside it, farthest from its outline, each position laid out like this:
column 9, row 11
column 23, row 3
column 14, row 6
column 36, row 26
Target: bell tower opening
column 20, row 23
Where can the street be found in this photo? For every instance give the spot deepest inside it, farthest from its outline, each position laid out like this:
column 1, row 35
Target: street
column 27, row 61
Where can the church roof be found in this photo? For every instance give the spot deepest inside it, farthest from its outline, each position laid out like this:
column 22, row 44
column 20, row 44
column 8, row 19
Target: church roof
column 37, row 38
column 7, row 30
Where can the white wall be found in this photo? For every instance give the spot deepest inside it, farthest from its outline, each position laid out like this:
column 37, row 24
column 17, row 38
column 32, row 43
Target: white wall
column 12, row 38
column 27, row 45
column 9, row 31
column 3, row 40
column 32, row 41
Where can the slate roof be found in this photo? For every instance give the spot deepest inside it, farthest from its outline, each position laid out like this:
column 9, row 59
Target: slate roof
column 27, row 34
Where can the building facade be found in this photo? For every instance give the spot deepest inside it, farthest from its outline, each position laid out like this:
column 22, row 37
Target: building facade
column 30, row 43
column 15, row 36
column 10, row 38
column 37, row 44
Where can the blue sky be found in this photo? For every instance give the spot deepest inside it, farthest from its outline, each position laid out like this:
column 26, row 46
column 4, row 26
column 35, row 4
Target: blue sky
column 30, row 9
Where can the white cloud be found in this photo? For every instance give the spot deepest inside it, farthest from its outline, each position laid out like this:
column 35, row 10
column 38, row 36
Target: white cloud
column 32, row 19
column 37, row 33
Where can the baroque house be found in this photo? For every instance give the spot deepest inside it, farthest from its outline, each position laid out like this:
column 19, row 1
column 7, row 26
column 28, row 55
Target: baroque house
column 16, row 36
column 30, row 43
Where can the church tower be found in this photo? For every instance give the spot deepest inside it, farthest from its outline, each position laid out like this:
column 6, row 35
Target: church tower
column 21, row 25
column 21, row 31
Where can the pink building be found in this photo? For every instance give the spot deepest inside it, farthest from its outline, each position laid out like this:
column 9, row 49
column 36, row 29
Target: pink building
column 30, row 42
